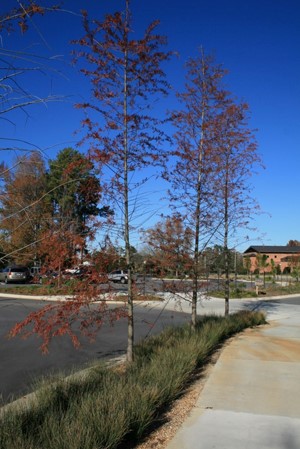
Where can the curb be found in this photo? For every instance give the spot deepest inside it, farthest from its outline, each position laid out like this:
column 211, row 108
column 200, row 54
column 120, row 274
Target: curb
column 65, row 297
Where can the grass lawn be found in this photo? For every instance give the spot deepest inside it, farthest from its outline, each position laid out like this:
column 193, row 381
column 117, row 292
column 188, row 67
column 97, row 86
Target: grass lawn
column 37, row 289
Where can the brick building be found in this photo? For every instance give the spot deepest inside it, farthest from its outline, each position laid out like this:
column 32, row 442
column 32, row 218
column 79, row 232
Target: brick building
column 284, row 257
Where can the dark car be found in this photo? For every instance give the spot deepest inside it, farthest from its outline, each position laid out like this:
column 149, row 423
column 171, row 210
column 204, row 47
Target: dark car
column 14, row 273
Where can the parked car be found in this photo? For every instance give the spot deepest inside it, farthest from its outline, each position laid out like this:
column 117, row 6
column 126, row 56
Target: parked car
column 38, row 275
column 15, row 273
column 86, row 272
column 80, row 273
column 118, row 276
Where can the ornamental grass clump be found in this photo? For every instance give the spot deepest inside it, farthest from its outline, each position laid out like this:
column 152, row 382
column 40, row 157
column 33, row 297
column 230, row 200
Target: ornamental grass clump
column 107, row 407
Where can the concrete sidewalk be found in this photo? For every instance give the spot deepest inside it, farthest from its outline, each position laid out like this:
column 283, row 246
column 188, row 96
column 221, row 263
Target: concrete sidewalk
column 252, row 398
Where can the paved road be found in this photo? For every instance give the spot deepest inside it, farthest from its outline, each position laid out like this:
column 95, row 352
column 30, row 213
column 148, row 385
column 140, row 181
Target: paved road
column 22, row 361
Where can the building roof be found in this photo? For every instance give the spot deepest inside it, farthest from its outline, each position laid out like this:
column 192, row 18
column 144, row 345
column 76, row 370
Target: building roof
column 273, row 249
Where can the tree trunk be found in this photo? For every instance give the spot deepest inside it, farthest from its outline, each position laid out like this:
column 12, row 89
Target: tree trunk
column 130, row 336
column 197, row 226
column 196, row 247
column 226, row 252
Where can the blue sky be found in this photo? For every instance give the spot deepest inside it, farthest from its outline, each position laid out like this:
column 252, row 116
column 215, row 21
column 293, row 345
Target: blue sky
column 258, row 42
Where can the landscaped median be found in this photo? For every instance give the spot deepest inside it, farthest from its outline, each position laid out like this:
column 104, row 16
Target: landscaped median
column 68, row 289
column 111, row 406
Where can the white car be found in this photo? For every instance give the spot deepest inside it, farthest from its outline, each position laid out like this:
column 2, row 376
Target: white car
column 118, row 276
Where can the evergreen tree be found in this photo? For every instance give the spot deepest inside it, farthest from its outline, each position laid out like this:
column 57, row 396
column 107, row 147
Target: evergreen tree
column 74, row 191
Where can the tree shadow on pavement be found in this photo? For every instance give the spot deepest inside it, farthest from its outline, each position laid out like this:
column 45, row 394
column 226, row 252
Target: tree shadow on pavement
column 263, row 306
